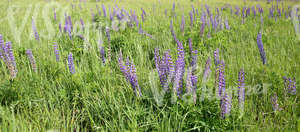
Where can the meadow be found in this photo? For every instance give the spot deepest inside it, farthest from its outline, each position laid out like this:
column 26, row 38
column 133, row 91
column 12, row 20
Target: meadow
column 149, row 65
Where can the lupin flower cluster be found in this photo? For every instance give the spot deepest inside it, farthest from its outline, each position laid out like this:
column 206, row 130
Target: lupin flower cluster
column 221, row 78
column 290, row 85
column 274, row 102
column 261, row 48
column 31, row 60
column 241, row 89
column 164, row 67
column 8, row 57
column 56, row 52
column 71, row 63
column 102, row 51
column 107, row 32
column 129, row 71
column 36, row 34
column 225, row 103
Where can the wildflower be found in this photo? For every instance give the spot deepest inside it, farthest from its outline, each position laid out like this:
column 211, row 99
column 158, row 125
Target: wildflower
column 129, row 71
column 36, row 35
column 225, row 105
column 261, row 48
column 56, row 52
column 31, row 59
column 103, row 10
column 241, row 88
column 274, row 102
column 207, row 70
column 182, row 24
column 71, row 64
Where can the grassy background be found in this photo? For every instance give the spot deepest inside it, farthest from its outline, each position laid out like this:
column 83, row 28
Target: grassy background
column 98, row 98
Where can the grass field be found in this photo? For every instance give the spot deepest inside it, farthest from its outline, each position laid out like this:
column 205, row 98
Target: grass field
column 87, row 84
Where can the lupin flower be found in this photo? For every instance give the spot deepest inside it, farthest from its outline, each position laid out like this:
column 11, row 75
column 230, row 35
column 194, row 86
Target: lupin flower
column 191, row 18
column 103, row 10
column 107, row 32
column 221, row 78
column 102, row 53
column 173, row 32
column 1, row 47
column 182, row 25
column 207, row 70
column 225, row 105
column 54, row 15
column 179, row 69
column 216, row 57
column 31, row 59
column 274, row 102
column 36, row 35
column 254, row 11
column 10, row 59
column 129, row 71
column 241, row 89
column 226, row 24
column 261, row 48
column 56, row 52
column 71, row 64
column 190, row 45
column 290, row 85
column 248, row 12
column 237, row 12
column 134, row 80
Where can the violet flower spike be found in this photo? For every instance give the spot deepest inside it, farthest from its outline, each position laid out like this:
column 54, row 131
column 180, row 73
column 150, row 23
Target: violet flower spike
column 261, row 48
column 31, row 59
column 182, row 25
column 71, row 64
column 274, row 102
column 241, row 89
column 225, row 105
column 207, row 70
column 56, row 52
column 36, row 35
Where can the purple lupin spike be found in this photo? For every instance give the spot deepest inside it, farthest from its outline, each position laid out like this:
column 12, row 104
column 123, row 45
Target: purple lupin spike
column 225, row 105
column 10, row 59
column 190, row 45
column 182, row 25
column 261, row 48
column 102, row 54
column 123, row 68
column 134, row 80
column 71, row 64
column 226, row 24
column 241, row 89
column 54, row 14
column 157, row 60
column 36, row 35
column 290, row 85
column 103, row 10
column 274, row 102
column 207, row 70
column 216, row 57
column 191, row 18
column 107, row 32
column 56, row 52
column 31, row 60
column 221, row 78
column 1, row 47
